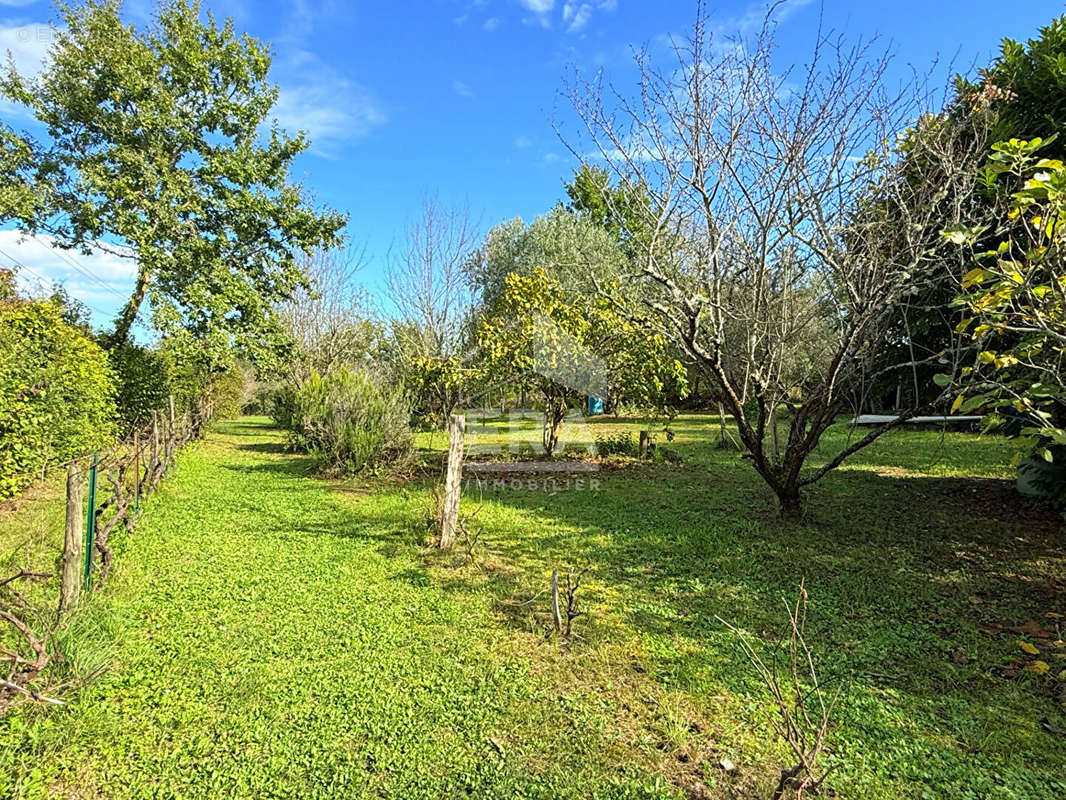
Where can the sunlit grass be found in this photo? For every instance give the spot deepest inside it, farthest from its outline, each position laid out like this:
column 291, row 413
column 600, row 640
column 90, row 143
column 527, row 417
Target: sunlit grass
column 271, row 634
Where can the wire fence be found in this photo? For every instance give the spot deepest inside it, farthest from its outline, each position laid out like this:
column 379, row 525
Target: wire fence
column 104, row 494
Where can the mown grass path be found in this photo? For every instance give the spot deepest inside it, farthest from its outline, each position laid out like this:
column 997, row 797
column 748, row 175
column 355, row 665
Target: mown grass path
column 262, row 642
column 270, row 634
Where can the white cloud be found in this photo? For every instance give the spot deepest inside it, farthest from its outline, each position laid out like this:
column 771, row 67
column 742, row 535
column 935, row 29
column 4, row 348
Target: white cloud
column 522, row 142
column 16, row 3
column 491, row 24
column 27, row 43
column 44, row 266
column 576, row 16
column 462, row 89
column 333, row 109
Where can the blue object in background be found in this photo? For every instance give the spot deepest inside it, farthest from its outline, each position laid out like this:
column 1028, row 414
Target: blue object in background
column 595, row 405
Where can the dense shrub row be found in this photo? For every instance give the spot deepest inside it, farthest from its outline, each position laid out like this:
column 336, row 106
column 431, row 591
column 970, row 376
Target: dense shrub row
column 57, row 396
column 62, row 395
column 347, row 420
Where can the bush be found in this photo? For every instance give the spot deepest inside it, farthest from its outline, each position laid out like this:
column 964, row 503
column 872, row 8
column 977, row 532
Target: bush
column 282, row 406
column 261, row 398
column 348, row 421
column 618, row 444
column 143, row 383
column 57, row 392
column 228, row 392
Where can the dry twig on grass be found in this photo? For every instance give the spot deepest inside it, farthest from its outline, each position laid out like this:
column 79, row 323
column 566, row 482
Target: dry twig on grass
column 803, row 706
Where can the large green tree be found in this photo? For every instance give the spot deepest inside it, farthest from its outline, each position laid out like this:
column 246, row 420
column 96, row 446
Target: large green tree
column 161, row 147
column 1021, row 95
column 1023, row 89
column 574, row 251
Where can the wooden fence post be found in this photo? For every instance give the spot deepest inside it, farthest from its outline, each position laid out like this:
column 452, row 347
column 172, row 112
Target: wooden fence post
column 136, row 468
column 172, row 420
column 70, row 587
column 453, row 481
column 153, row 453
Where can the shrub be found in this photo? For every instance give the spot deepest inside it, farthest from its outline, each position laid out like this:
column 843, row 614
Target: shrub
column 57, row 393
column 620, row 444
column 143, row 383
column 228, row 392
column 282, row 406
column 261, row 399
column 348, row 421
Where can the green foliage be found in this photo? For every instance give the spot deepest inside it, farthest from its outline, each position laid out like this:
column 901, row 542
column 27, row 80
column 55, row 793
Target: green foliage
column 349, row 422
column 7, row 285
column 1020, row 95
column 1024, row 89
column 566, row 347
column 622, row 210
column 572, row 251
column 620, row 444
column 143, row 382
column 281, row 406
column 436, row 385
column 159, row 142
column 227, row 392
column 1014, row 297
column 56, row 392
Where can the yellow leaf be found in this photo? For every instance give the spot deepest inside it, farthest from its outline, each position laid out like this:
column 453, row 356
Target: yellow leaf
column 957, row 404
column 1029, row 648
column 1039, row 667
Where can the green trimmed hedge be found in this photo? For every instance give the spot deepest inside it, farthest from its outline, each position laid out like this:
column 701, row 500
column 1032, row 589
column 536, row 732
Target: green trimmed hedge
column 57, row 392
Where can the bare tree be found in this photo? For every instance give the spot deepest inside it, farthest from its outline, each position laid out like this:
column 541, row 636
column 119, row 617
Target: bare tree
column 784, row 225
column 432, row 298
column 426, row 282
column 331, row 324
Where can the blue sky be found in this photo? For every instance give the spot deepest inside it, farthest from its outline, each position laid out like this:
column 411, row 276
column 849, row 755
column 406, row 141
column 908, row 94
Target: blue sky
column 457, row 98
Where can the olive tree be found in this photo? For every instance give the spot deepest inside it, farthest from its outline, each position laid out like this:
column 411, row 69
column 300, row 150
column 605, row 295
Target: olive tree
column 566, row 346
column 774, row 189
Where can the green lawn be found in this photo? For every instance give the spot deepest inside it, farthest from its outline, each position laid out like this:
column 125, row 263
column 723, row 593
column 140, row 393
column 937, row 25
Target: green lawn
column 269, row 634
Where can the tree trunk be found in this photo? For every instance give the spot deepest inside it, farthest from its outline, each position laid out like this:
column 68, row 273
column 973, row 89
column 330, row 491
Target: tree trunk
column 129, row 311
column 790, row 503
column 554, row 412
